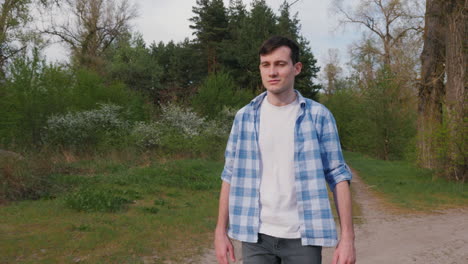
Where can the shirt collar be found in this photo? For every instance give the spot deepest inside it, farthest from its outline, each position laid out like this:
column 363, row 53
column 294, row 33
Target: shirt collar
column 257, row 101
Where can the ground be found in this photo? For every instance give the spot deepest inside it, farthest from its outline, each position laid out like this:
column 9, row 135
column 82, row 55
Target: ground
column 391, row 235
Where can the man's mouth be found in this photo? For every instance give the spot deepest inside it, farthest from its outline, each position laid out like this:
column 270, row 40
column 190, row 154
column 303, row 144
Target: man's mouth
column 273, row 81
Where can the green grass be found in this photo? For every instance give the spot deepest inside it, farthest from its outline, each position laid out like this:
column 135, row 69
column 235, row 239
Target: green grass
column 407, row 186
column 111, row 213
column 119, row 210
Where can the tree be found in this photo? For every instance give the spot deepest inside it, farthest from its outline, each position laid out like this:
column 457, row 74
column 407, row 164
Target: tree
column 441, row 120
column 390, row 21
column 236, row 16
column 210, row 27
column 240, row 53
column 290, row 27
column 14, row 15
column 181, row 71
column 130, row 61
column 332, row 70
column 91, row 27
column 432, row 88
column 456, row 54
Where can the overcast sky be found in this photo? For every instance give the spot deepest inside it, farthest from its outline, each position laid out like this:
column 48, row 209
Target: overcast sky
column 165, row 20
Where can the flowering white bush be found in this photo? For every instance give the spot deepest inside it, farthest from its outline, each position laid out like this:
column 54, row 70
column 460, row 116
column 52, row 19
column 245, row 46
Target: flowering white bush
column 85, row 127
column 188, row 122
column 146, row 135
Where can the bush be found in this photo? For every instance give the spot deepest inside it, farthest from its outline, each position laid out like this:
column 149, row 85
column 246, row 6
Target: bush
column 184, row 120
column 218, row 91
column 24, row 178
column 33, row 91
column 87, row 128
column 379, row 121
column 180, row 131
column 146, row 135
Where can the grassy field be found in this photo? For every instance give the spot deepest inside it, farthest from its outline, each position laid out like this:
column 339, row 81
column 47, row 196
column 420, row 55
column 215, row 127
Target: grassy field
column 109, row 210
column 403, row 184
column 112, row 213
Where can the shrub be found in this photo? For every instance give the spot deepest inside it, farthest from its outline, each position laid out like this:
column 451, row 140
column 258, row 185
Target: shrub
column 218, row 91
column 24, row 178
column 184, row 120
column 33, row 91
column 86, row 128
column 146, row 135
column 379, row 121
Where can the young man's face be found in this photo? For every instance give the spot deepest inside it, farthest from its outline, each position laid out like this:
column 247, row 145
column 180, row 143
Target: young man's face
column 278, row 71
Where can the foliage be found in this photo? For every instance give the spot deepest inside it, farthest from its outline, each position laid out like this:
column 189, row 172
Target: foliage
column 33, row 92
column 13, row 33
column 290, row 27
column 184, row 120
column 36, row 91
column 449, row 162
column 184, row 132
column 219, row 91
column 211, row 28
column 23, row 179
column 183, row 67
column 90, row 28
column 146, row 135
column 354, row 128
column 391, row 24
column 79, row 130
column 131, row 62
column 377, row 122
column 179, row 131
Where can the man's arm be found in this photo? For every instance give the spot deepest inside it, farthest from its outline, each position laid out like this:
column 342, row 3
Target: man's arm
column 345, row 252
column 223, row 245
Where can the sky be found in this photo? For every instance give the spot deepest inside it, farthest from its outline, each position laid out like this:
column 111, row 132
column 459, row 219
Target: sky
column 166, row 20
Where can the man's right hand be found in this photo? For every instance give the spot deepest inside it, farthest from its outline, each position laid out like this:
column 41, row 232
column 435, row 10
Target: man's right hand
column 223, row 247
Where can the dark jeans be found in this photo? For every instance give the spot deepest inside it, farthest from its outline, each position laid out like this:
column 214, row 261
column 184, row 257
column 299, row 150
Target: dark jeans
column 273, row 250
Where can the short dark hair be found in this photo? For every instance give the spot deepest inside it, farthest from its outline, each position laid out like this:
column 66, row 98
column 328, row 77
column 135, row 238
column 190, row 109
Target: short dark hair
column 275, row 42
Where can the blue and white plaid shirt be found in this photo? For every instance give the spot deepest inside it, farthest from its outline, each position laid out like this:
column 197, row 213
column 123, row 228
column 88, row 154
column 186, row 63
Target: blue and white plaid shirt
column 317, row 159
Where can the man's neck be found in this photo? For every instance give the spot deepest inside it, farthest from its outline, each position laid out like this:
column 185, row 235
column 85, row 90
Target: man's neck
column 281, row 99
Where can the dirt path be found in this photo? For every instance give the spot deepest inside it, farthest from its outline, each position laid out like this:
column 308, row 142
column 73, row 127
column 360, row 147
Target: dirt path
column 388, row 236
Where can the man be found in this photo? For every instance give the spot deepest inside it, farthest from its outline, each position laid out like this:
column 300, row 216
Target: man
column 282, row 150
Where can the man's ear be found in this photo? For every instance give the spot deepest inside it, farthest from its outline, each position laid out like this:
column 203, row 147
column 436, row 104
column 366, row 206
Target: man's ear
column 297, row 68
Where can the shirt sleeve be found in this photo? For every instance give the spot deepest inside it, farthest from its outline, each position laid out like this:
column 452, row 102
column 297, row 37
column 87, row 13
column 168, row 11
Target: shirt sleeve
column 334, row 164
column 230, row 152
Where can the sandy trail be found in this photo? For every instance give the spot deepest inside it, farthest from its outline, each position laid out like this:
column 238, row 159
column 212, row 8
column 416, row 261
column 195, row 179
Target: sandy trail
column 389, row 236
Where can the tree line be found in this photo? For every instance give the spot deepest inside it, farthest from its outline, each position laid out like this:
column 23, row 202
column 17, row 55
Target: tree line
column 402, row 96
column 406, row 83
column 110, row 63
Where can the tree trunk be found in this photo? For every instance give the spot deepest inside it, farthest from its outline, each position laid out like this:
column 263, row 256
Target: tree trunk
column 456, row 67
column 431, row 89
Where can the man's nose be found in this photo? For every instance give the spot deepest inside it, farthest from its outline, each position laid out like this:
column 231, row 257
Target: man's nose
column 272, row 71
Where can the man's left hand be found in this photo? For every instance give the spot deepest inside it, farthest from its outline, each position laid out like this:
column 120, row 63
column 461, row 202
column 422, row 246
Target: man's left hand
column 345, row 253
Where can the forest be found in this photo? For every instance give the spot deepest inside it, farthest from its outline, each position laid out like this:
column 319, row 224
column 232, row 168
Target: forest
column 400, row 96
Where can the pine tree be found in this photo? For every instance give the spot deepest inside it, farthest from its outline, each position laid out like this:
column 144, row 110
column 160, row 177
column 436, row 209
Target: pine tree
column 290, row 27
column 210, row 25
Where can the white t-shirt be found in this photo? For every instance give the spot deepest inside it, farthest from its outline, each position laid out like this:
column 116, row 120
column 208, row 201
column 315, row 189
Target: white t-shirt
column 278, row 212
